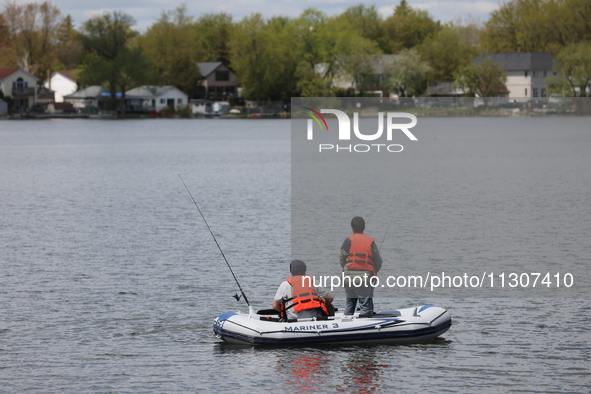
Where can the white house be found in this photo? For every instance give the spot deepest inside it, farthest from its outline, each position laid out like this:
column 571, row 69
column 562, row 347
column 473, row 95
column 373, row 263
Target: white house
column 157, row 97
column 526, row 72
column 19, row 85
column 90, row 97
column 62, row 82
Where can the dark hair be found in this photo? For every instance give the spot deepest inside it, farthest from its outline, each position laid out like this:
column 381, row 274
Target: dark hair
column 358, row 224
column 297, row 267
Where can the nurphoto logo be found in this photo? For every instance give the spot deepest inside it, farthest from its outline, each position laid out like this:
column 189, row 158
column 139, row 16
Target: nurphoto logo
column 344, row 130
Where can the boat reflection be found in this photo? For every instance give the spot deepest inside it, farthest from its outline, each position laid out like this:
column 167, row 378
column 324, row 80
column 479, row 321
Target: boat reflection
column 304, row 370
column 308, row 370
column 363, row 372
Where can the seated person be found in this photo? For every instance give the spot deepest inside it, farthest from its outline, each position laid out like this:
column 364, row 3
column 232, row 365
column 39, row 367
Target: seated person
column 301, row 300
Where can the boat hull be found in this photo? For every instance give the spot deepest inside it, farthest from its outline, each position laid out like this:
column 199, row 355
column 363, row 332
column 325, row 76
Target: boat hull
column 409, row 325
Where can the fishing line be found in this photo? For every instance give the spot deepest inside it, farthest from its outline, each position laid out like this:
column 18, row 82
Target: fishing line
column 386, row 232
column 216, row 242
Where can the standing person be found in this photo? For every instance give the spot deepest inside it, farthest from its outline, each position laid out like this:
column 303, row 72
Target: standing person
column 298, row 298
column 359, row 257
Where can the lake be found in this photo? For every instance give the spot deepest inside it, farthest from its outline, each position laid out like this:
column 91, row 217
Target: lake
column 110, row 280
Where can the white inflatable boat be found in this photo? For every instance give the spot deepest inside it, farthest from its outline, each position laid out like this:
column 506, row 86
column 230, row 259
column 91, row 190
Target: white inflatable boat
column 401, row 326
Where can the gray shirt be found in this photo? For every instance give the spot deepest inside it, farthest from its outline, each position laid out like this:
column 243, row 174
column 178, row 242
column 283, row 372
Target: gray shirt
column 284, row 292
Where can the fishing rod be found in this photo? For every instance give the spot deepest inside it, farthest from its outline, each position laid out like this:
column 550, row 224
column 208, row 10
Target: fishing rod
column 221, row 251
column 386, row 232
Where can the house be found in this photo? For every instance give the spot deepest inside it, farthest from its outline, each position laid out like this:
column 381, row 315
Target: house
column 62, row 82
column 526, row 72
column 155, row 98
column 88, row 98
column 218, row 81
column 19, row 85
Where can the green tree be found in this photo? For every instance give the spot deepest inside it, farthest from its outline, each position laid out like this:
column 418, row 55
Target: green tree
column 316, row 53
column 485, row 79
column 169, row 43
column 329, row 48
column 367, row 22
column 261, row 54
column 508, row 29
column 215, row 33
column 446, row 52
column 573, row 71
column 110, row 57
column 183, row 73
column 32, row 34
column 537, row 26
column 407, row 27
column 69, row 49
column 469, row 29
column 407, row 74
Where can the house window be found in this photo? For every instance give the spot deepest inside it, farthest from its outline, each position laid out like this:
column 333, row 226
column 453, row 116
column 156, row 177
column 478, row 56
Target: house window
column 525, row 92
column 544, row 74
column 534, row 73
column 222, row 75
column 526, row 76
column 179, row 101
column 535, row 92
column 162, row 101
column 544, row 91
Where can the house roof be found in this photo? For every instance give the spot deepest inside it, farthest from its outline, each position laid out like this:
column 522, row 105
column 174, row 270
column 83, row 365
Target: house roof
column 70, row 74
column 89, row 92
column 520, row 61
column 5, row 72
column 151, row 91
column 207, row 68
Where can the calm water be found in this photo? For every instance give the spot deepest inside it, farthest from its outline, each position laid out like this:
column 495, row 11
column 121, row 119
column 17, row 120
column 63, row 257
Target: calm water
column 109, row 280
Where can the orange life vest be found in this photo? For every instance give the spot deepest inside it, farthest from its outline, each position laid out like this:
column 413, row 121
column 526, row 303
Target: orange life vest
column 303, row 295
column 360, row 254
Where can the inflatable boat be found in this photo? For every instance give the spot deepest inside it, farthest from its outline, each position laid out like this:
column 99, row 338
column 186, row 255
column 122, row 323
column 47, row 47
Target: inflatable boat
column 395, row 327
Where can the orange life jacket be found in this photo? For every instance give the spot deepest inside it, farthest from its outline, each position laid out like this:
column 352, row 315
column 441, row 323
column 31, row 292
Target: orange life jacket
column 360, row 255
column 303, row 296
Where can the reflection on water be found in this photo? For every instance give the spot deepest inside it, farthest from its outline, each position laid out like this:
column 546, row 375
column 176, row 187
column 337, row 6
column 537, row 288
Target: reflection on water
column 343, row 368
column 363, row 371
column 303, row 372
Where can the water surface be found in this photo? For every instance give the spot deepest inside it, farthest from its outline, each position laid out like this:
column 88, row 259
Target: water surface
column 109, row 279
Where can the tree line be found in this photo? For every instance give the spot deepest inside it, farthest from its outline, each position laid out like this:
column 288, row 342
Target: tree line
column 281, row 57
